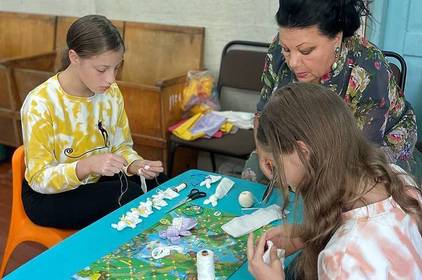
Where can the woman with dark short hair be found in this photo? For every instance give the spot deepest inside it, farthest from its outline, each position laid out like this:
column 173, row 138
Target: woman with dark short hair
column 317, row 43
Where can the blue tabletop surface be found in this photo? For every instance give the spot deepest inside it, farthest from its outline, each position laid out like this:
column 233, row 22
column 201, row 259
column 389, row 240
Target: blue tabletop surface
column 98, row 239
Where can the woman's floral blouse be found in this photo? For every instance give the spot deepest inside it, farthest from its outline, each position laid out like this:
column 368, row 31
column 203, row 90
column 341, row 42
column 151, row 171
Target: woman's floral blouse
column 366, row 83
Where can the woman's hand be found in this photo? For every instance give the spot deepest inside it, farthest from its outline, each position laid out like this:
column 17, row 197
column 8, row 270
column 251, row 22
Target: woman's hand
column 282, row 237
column 147, row 168
column 103, row 164
column 257, row 267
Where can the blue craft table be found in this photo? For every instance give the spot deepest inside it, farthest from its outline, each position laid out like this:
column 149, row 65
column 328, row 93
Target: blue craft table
column 98, row 239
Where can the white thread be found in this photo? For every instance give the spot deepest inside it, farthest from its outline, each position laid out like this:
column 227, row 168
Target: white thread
column 180, row 187
column 123, row 189
column 143, row 184
column 205, row 265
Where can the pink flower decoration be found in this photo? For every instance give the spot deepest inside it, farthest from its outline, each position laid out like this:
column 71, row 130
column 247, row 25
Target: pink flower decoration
column 266, row 66
column 349, row 61
column 347, row 99
column 325, row 77
column 401, row 93
column 377, row 65
column 352, row 83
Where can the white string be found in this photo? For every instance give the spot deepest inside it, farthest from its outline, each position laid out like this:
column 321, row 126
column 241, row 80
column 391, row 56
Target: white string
column 123, row 188
column 143, row 184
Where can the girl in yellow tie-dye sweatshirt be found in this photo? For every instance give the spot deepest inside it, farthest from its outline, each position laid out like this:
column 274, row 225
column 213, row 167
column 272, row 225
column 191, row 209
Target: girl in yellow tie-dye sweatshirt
column 76, row 134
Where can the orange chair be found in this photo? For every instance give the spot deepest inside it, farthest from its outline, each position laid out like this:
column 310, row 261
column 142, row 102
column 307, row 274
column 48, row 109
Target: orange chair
column 21, row 228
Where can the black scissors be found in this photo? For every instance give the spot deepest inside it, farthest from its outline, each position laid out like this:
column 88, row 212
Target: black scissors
column 194, row 194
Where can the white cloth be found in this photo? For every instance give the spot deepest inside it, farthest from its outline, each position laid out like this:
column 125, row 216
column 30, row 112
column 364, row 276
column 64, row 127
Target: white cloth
column 209, row 180
column 247, row 223
column 280, row 254
column 222, row 189
column 242, row 120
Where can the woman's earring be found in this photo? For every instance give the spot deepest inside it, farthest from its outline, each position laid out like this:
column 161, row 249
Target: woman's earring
column 337, row 53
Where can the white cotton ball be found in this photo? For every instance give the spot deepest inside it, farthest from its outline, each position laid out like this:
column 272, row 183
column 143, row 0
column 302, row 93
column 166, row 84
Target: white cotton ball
column 246, row 199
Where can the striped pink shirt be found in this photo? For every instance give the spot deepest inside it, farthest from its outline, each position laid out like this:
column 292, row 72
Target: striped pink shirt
column 379, row 241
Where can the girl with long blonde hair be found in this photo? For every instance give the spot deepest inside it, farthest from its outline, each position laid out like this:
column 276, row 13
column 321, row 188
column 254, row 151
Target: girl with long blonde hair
column 362, row 217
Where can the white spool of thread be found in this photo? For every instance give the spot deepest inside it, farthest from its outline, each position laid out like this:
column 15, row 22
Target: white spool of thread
column 205, row 265
column 246, row 199
column 180, row 187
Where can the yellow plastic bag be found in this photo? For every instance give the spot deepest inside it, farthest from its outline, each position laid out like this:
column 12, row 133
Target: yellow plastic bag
column 198, row 93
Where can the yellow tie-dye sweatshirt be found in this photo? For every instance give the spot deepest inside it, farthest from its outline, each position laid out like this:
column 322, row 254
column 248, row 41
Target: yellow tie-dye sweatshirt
column 59, row 129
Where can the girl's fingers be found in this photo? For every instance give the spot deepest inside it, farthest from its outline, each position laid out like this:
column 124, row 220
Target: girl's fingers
column 150, row 163
column 120, row 159
column 251, row 248
column 109, row 171
column 156, row 169
column 273, row 232
column 261, row 247
column 274, row 260
column 146, row 173
column 150, row 169
column 116, row 164
column 156, row 163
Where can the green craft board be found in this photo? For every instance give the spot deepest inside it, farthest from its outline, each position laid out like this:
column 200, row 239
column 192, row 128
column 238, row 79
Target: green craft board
column 133, row 260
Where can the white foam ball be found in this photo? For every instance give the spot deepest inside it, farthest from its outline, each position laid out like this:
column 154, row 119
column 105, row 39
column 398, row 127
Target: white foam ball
column 246, row 199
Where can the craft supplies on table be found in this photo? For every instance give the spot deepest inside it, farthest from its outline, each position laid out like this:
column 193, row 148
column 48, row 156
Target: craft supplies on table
column 120, row 253
column 246, row 199
column 221, row 190
column 193, row 195
column 245, row 224
column 280, row 254
column 205, row 265
column 154, row 256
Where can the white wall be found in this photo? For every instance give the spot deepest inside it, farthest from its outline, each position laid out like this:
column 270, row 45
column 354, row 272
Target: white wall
column 224, row 20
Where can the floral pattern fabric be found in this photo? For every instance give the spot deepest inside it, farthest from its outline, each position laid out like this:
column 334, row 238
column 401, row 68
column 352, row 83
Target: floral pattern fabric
column 366, row 83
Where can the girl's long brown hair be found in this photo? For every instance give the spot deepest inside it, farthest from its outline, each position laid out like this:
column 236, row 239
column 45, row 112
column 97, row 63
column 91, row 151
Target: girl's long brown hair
column 340, row 168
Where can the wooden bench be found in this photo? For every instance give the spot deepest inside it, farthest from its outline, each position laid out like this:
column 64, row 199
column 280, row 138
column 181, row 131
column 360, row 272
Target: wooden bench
column 152, row 78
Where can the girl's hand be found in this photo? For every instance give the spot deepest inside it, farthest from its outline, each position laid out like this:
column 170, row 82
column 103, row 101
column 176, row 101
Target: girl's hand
column 103, row 164
column 257, row 267
column 147, row 168
column 282, row 237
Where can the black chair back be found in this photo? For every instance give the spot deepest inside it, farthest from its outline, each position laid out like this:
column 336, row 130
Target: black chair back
column 399, row 73
column 239, row 82
column 242, row 63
